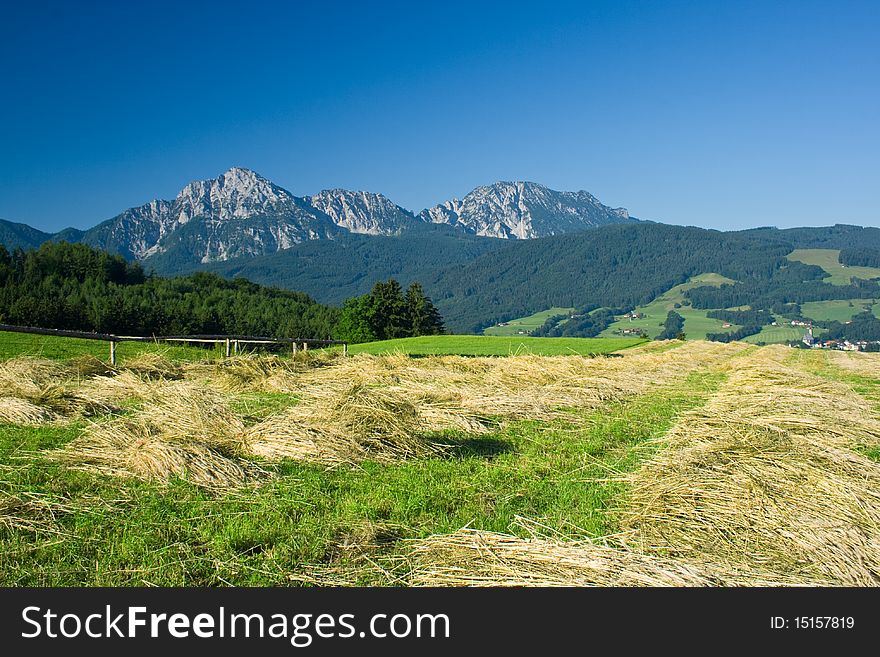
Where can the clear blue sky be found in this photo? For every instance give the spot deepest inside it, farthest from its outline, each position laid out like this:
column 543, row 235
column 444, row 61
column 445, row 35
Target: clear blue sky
column 719, row 114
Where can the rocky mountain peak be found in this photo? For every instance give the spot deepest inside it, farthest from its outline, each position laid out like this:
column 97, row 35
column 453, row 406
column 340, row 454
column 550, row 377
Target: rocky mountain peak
column 523, row 210
column 361, row 212
column 237, row 193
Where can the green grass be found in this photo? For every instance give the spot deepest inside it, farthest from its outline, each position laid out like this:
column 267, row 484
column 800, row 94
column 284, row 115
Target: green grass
column 526, row 324
column 828, row 260
column 696, row 324
column 119, row 532
column 838, row 310
column 777, row 334
column 51, row 346
column 480, row 345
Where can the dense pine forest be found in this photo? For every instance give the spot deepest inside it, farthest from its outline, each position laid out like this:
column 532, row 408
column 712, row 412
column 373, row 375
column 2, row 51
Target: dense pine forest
column 860, row 257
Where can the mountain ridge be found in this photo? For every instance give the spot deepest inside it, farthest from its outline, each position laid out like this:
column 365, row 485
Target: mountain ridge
column 242, row 214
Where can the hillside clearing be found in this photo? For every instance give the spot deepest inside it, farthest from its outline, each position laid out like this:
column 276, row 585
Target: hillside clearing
column 696, row 324
column 525, row 325
column 838, row 310
column 828, row 259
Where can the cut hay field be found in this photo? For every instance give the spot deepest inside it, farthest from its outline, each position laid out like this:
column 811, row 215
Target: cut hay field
column 480, row 345
column 779, row 334
column 671, row 464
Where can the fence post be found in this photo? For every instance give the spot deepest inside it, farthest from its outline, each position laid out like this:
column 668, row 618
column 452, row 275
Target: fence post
column 235, row 347
column 293, row 345
column 113, row 352
column 227, row 347
column 345, row 349
column 305, row 346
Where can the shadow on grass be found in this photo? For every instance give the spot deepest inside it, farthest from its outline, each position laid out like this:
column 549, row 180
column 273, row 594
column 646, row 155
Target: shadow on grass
column 486, row 448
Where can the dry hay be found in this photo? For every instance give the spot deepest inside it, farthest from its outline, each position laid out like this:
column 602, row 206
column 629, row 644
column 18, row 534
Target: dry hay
column 20, row 411
column 246, row 373
column 29, row 512
column 382, row 407
column 124, row 386
column 481, row 558
column 50, row 385
column 182, row 430
column 863, row 364
column 132, row 447
column 759, row 487
column 454, row 392
column 37, row 380
column 188, row 412
column 351, row 425
column 87, row 365
column 763, row 475
column 151, row 366
column 258, row 372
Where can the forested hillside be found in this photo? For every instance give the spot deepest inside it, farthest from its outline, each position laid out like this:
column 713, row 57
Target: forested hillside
column 72, row 286
column 860, row 257
column 613, row 266
column 334, row 270
column 838, row 236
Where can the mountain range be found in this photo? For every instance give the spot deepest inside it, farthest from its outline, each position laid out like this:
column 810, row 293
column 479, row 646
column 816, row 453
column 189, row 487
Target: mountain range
column 502, row 251
column 242, row 214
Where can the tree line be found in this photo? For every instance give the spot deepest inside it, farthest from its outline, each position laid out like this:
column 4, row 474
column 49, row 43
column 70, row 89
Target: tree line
column 860, row 257
column 77, row 287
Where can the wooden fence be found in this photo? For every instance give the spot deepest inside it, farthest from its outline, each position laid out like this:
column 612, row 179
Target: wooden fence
column 232, row 342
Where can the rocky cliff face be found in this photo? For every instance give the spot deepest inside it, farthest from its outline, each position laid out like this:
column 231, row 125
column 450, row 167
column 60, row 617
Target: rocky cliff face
column 524, row 210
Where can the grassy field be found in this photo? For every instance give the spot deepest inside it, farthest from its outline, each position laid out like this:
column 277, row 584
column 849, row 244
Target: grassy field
column 777, row 334
column 828, row 260
column 49, row 346
column 838, row 310
column 323, row 470
column 527, row 324
column 696, row 324
column 478, row 345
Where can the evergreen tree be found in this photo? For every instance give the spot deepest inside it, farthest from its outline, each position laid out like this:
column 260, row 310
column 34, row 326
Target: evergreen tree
column 423, row 317
column 672, row 327
column 386, row 311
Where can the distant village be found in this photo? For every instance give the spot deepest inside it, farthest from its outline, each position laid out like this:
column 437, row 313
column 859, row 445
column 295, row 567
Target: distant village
column 840, row 345
column 809, row 340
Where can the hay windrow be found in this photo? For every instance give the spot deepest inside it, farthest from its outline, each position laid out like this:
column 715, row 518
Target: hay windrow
column 764, row 475
column 132, row 447
column 350, row 425
column 188, row 412
column 761, row 486
column 480, row 558
column 125, row 386
column 39, row 381
column 152, row 366
column 20, row 411
column 861, row 363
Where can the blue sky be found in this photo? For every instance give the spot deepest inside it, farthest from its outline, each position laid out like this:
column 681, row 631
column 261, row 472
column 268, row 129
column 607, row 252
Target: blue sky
column 718, row 114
